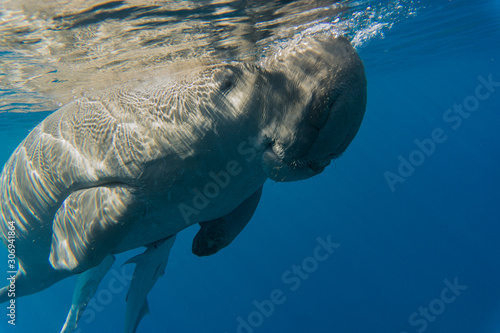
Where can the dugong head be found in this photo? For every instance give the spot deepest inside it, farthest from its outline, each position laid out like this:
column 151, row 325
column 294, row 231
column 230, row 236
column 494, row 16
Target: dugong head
column 304, row 103
column 326, row 100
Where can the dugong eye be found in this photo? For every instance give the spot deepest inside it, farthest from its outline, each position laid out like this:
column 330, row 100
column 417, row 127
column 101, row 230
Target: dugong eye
column 225, row 86
column 227, row 78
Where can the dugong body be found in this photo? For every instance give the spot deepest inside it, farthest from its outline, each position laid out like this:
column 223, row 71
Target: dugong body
column 135, row 165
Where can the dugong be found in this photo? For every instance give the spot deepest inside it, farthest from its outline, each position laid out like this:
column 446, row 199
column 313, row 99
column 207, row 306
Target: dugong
column 134, row 165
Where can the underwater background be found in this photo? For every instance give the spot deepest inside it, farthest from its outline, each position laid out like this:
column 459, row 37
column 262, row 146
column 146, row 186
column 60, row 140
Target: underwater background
column 412, row 207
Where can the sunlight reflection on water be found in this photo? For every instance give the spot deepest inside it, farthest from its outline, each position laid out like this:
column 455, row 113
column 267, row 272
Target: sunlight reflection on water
column 53, row 52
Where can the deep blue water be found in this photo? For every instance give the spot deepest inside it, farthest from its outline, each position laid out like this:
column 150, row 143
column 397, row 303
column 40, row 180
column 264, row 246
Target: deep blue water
column 397, row 246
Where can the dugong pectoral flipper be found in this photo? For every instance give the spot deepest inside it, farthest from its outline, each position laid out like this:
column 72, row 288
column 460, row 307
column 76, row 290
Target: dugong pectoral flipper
column 150, row 265
column 85, row 288
column 217, row 234
column 89, row 225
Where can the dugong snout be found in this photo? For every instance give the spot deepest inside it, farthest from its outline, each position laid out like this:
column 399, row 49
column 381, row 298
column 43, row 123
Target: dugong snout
column 333, row 78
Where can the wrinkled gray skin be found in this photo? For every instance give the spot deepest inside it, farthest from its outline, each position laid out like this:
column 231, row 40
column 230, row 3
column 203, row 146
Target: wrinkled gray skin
column 135, row 165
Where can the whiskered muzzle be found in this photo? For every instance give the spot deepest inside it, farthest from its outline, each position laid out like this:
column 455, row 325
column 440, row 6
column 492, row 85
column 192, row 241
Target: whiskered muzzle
column 332, row 74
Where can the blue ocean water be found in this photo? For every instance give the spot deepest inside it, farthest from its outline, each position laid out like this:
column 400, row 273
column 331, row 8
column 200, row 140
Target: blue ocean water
column 411, row 209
